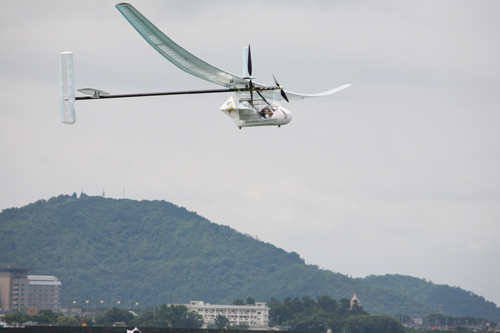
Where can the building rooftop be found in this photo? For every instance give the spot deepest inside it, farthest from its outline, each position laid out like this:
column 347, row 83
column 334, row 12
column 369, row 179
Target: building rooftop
column 6, row 267
column 46, row 280
column 208, row 305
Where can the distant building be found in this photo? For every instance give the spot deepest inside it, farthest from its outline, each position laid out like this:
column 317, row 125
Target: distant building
column 256, row 316
column 45, row 292
column 11, row 275
column 120, row 324
column 418, row 321
column 20, row 291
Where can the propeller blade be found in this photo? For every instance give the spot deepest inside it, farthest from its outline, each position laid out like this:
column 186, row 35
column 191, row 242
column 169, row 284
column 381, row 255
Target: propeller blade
column 249, row 61
column 275, row 81
column 284, row 95
column 251, row 91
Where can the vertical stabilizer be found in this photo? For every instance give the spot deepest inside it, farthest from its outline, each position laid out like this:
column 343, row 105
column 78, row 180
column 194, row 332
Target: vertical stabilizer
column 67, row 88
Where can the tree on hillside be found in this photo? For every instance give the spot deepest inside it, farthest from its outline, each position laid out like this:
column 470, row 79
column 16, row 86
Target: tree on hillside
column 67, row 321
column 178, row 316
column 308, row 304
column 47, row 317
column 372, row 324
column 14, row 318
column 356, row 309
column 327, row 304
column 44, row 317
column 319, row 321
column 344, row 306
column 250, row 301
column 239, row 327
column 294, row 304
column 116, row 315
column 221, row 322
column 238, row 302
column 147, row 319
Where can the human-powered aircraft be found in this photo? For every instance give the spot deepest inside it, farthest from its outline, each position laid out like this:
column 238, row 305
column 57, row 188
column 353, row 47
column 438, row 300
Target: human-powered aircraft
column 253, row 104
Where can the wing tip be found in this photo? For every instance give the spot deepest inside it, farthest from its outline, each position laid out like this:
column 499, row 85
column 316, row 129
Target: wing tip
column 122, row 4
column 324, row 93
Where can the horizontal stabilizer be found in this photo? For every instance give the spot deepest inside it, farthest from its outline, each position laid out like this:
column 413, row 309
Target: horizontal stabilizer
column 96, row 93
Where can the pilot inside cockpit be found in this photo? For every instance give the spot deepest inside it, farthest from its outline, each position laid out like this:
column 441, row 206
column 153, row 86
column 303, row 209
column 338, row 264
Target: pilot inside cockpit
column 266, row 112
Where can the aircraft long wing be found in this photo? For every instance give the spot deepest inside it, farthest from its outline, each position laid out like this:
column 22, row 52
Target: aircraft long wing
column 176, row 54
column 192, row 64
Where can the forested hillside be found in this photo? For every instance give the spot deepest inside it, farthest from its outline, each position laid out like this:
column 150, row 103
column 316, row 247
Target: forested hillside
column 155, row 252
column 453, row 301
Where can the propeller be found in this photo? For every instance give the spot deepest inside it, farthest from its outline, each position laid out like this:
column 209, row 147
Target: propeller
column 249, row 61
column 283, row 94
column 251, row 87
column 249, row 65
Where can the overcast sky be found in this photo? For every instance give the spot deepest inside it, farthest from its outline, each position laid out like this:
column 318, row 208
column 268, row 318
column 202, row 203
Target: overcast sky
column 398, row 174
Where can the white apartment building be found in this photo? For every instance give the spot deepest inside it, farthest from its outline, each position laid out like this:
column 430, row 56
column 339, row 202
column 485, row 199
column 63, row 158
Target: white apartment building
column 45, row 292
column 256, row 316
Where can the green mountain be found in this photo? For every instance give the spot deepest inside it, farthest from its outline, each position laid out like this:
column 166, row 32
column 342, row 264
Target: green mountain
column 155, row 252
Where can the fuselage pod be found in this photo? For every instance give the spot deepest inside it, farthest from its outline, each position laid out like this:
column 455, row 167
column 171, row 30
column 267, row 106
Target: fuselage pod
column 280, row 116
column 247, row 113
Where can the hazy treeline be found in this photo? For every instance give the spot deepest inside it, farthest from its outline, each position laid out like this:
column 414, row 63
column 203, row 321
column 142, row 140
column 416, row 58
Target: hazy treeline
column 306, row 314
column 175, row 316
column 324, row 312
